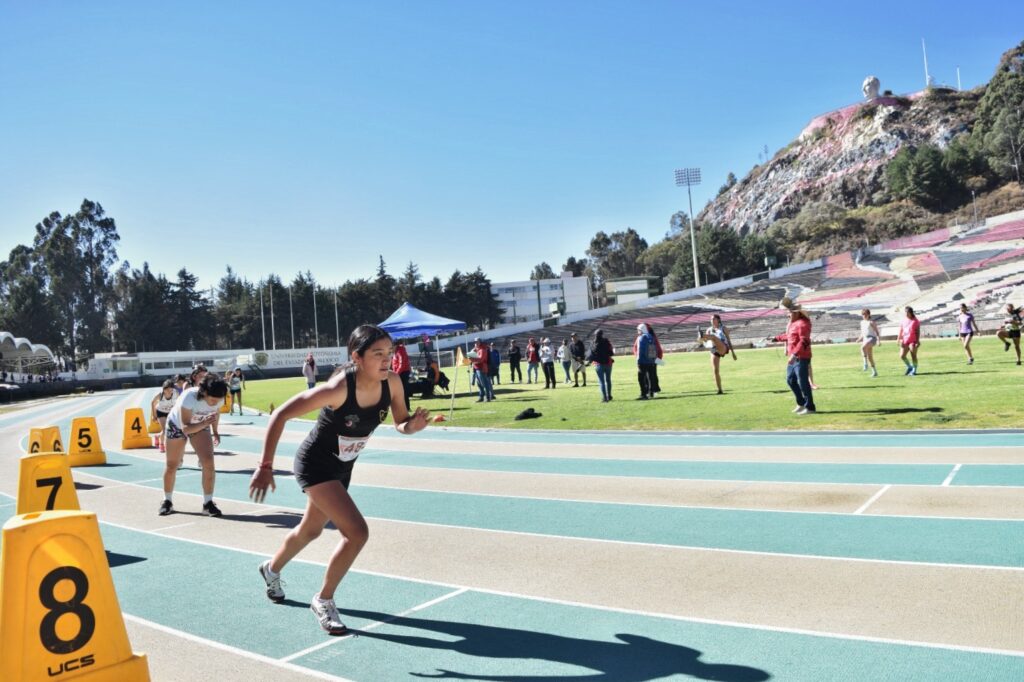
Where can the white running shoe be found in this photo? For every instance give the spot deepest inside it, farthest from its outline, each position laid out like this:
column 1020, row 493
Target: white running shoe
column 797, row 409
column 275, row 591
column 327, row 615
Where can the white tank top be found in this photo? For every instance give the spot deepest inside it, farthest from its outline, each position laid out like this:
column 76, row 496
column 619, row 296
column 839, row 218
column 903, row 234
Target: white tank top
column 165, row 404
column 865, row 329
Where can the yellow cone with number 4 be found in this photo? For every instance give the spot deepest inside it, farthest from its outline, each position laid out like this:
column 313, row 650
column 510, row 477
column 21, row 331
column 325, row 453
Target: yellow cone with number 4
column 59, row 615
column 85, row 450
column 44, row 439
column 45, row 483
column 135, row 430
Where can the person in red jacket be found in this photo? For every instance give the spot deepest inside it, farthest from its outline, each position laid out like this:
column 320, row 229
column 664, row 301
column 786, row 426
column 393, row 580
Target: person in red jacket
column 400, row 366
column 909, row 339
column 798, row 352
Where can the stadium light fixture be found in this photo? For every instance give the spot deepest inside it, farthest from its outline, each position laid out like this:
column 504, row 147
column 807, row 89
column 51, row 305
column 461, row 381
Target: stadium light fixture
column 690, row 177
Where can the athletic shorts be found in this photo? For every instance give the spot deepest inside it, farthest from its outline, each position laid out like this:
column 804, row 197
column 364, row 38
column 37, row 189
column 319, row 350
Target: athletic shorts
column 910, row 344
column 313, row 468
column 873, row 340
column 1014, row 333
column 966, row 335
column 235, row 391
column 161, row 414
column 174, row 431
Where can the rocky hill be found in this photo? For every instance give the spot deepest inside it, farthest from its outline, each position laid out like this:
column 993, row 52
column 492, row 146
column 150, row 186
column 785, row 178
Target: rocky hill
column 840, row 157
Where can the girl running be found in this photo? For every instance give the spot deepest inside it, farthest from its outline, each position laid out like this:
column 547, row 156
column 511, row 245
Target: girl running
column 1011, row 329
column 161, row 406
column 869, row 338
column 352, row 403
column 968, row 328
column 909, row 340
column 236, row 382
column 716, row 339
column 195, row 413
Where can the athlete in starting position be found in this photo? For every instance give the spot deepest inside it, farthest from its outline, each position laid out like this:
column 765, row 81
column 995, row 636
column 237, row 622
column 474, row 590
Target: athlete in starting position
column 352, row 403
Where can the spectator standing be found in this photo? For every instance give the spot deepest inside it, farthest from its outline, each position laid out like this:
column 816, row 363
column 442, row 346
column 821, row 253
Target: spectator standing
column 909, row 340
column 601, row 353
column 494, row 365
column 309, row 371
column 532, row 360
column 400, row 365
column 547, row 361
column 481, row 357
column 968, row 328
column 798, row 353
column 515, row 356
column 646, row 355
column 579, row 360
column 564, row 355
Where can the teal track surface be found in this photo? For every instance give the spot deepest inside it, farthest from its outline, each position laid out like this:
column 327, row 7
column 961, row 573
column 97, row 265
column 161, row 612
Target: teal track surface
column 406, row 628
column 483, row 636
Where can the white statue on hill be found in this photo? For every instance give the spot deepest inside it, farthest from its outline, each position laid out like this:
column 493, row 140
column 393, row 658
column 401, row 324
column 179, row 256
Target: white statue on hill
column 870, row 87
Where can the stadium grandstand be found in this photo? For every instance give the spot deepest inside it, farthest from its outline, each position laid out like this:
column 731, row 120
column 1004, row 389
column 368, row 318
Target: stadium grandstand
column 933, row 272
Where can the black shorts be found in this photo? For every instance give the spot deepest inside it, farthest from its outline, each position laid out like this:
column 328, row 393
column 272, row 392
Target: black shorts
column 313, row 468
column 1013, row 333
column 161, row 414
column 235, row 391
column 966, row 335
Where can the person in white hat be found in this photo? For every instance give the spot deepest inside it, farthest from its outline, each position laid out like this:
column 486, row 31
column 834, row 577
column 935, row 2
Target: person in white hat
column 547, row 362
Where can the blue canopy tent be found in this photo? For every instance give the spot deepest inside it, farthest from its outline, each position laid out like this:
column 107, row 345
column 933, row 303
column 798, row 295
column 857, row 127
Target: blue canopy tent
column 409, row 321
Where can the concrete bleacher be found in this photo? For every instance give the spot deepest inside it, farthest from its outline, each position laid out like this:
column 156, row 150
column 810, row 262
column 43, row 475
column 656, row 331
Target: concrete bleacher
column 933, row 272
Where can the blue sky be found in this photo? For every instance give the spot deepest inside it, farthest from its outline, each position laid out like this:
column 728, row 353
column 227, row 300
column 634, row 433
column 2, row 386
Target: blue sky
column 279, row 137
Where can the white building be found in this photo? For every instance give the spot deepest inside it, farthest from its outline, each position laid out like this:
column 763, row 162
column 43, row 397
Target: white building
column 530, row 300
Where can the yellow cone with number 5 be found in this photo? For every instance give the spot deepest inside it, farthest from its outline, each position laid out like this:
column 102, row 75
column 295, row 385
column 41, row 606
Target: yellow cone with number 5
column 135, row 430
column 45, row 483
column 44, row 439
column 59, row 615
column 85, row 450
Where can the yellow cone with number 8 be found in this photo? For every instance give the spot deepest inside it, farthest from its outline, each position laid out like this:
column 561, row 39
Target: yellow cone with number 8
column 59, row 615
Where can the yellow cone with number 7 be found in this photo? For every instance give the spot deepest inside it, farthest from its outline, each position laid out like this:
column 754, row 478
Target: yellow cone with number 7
column 59, row 615
column 45, row 483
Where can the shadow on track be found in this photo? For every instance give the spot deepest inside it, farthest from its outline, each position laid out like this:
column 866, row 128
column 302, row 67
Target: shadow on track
column 632, row 658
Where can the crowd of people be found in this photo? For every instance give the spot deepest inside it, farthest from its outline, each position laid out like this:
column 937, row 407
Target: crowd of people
column 576, row 357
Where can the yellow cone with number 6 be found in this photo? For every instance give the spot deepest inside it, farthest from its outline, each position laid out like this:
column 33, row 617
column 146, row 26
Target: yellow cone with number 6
column 45, row 483
column 44, row 439
column 135, row 430
column 59, row 615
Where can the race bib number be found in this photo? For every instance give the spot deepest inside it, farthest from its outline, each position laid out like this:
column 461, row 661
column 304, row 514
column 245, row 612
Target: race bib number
column 349, row 448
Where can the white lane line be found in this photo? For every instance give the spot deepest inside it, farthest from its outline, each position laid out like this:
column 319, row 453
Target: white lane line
column 234, row 650
column 949, row 479
column 872, row 500
column 374, row 625
column 180, row 525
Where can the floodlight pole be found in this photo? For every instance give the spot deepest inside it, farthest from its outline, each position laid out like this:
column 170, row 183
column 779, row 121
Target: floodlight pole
column 273, row 334
column 316, row 325
column 291, row 316
column 337, row 333
column 263, row 326
column 689, row 177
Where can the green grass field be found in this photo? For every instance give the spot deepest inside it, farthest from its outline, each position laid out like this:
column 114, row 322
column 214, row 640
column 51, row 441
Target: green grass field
column 946, row 394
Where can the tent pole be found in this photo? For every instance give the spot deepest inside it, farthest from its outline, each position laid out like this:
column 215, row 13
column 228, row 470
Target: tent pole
column 455, row 388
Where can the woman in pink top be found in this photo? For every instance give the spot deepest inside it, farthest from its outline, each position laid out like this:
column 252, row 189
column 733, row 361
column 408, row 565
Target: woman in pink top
column 909, row 339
